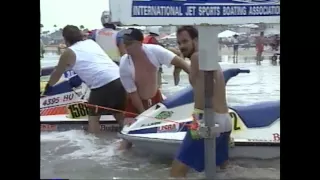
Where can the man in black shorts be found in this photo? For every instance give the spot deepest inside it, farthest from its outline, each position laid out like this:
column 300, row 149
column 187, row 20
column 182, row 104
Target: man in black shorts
column 95, row 68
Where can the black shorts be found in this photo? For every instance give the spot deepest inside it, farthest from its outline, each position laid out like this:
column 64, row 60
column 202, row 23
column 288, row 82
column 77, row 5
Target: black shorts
column 235, row 47
column 111, row 95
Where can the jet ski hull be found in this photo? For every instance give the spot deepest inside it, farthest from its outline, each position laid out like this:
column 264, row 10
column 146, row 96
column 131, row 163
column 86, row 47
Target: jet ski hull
column 162, row 128
column 63, row 123
column 168, row 148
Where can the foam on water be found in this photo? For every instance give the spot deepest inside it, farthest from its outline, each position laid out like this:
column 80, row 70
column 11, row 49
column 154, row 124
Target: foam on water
column 78, row 155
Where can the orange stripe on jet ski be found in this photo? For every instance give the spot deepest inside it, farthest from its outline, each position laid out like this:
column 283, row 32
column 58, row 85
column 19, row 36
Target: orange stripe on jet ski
column 53, row 111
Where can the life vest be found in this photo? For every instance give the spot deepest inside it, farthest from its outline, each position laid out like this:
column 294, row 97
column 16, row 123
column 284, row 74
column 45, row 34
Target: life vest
column 106, row 38
column 150, row 40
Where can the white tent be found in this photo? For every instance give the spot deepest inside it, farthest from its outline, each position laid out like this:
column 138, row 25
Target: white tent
column 226, row 33
column 269, row 32
column 249, row 25
column 171, row 36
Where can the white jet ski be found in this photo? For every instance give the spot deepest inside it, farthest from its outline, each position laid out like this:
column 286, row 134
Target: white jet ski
column 161, row 129
column 63, row 109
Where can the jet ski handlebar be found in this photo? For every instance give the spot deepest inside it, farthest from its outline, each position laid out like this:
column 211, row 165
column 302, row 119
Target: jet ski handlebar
column 244, row 71
column 230, row 73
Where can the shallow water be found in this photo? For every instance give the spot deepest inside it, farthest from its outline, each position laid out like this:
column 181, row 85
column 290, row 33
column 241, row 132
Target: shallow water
column 77, row 155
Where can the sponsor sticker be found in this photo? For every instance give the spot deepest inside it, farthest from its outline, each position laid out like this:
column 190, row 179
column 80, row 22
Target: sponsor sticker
column 169, row 128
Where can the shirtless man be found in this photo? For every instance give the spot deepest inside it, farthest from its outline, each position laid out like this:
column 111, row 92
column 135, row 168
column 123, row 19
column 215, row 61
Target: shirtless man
column 191, row 153
column 138, row 70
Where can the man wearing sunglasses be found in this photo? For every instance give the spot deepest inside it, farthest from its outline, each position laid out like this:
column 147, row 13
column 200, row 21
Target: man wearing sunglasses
column 138, row 70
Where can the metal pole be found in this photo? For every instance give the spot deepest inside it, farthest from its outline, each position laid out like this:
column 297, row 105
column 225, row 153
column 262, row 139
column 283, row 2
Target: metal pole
column 208, row 63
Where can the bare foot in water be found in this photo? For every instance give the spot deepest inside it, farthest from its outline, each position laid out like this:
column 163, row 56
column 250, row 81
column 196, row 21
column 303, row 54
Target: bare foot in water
column 224, row 165
column 125, row 145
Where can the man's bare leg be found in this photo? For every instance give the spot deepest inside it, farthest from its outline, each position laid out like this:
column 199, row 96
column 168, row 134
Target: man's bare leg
column 94, row 124
column 120, row 119
column 258, row 58
column 178, row 169
column 159, row 79
column 236, row 54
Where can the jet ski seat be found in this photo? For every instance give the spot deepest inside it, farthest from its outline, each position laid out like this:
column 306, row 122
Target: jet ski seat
column 185, row 96
column 260, row 114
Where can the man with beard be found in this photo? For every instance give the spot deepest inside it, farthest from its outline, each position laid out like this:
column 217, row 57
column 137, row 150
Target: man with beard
column 95, row 68
column 191, row 153
column 138, row 70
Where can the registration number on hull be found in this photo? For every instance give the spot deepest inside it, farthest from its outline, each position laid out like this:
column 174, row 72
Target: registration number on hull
column 66, row 127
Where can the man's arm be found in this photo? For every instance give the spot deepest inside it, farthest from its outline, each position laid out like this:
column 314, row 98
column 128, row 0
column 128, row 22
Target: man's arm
column 176, row 70
column 129, row 85
column 67, row 58
column 194, row 70
column 136, row 101
column 179, row 62
column 169, row 58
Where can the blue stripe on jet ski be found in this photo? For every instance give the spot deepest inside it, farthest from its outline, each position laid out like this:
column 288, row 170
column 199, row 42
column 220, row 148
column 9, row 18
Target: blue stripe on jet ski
column 155, row 129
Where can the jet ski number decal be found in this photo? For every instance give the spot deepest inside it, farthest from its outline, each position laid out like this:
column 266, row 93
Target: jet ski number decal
column 236, row 121
column 76, row 111
column 69, row 74
column 169, row 128
column 164, row 115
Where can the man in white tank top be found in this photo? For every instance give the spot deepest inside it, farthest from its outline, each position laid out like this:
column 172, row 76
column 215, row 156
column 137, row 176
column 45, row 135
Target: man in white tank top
column 97, row 70
column 108, row 38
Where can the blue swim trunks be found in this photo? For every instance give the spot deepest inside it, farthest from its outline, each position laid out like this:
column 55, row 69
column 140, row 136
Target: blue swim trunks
column 191, row 151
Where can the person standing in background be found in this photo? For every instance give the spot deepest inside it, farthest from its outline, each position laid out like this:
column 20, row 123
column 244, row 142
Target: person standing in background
column 109, row 39
column 235, row 41
column 259, row 48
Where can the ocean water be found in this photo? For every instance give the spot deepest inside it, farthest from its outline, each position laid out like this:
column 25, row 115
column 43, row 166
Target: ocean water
column 78, row 155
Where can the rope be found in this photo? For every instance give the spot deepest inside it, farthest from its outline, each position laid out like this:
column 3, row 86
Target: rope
column 192, row 126
column 131, row 113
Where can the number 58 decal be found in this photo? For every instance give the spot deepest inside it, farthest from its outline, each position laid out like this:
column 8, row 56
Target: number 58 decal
column 77, row 111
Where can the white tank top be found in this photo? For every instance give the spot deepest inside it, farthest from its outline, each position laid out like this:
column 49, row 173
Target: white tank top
column 106, row 38
column 93, row 65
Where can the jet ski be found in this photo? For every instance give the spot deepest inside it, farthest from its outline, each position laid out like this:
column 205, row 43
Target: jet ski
column 63, row 109
column 161, row 129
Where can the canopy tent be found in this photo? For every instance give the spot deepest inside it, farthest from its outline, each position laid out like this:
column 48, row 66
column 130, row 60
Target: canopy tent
column 171, row 36
column 227, row 33
column 269, row 32
column 249, row 25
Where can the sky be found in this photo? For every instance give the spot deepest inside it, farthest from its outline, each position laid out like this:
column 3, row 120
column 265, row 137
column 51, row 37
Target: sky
column 72, row 12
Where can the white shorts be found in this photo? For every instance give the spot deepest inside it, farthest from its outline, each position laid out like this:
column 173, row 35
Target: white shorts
column 224, row 120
